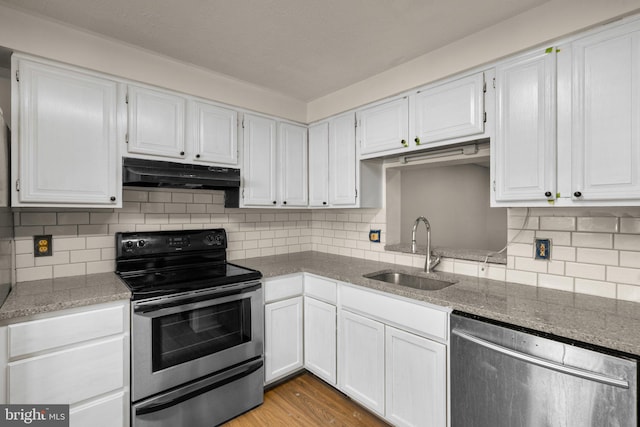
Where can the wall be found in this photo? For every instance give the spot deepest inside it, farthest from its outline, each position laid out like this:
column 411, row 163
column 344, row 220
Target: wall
column 454, row 199
column 5, row 95
column 84, row 243
column 552, row 20
column 30, row 34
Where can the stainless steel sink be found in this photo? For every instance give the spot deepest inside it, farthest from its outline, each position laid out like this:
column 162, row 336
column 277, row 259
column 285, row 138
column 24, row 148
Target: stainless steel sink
column 409, row 280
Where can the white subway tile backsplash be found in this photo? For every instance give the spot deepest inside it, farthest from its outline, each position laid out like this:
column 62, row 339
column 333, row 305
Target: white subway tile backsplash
column 58, row 257
column 135, row 196
column 465, row 267
column 73, row 218
column 529, row 264
column 594, row 287
column 563, row 253
column 561, row 283
column 25, row 260
column 521, row 250
column 100, row 267
column 34, row 273
column 61, row 230
column 630, row 276
column 628, row 292
column 562, row 238
column 38, row 218
column 67, row 270
column 630, row 259
column 598, row 224
column 585, row 271
column 627, row 242
column 26, row 246
column 177, row 197
column 100, row 242
column 522, row 277
column 597, row 256
column 593, row 240
column 86, row 255
column 630, row 225
column 558, row 223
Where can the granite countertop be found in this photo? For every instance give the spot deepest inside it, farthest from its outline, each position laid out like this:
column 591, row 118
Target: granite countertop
column 43, row 296
column 466, row 254
column 598, row 321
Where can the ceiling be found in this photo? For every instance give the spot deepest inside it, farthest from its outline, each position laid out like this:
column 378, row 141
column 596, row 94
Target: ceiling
column 301, row 48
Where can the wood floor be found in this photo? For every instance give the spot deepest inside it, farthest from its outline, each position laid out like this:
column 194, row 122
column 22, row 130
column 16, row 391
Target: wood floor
column 306, row 401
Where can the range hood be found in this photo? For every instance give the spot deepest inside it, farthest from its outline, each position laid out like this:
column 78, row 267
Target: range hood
column 153, row 173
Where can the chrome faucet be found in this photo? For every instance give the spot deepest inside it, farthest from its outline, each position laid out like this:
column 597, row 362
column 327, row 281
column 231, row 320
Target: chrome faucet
column 429, row 263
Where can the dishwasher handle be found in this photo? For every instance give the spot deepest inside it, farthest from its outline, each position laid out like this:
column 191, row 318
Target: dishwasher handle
column 577, row 372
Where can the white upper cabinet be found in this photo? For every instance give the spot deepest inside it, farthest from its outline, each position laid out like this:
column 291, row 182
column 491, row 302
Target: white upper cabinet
column 64, row 146
column 568, row 125
column 292, row 147
column 449, row 110
column 384, row 127
column 437, row 115
column 525, row 139
column 342, row 161
column 156, row 122
column 319, row 165
column 605, row 133
column 170, row 126
column 259, row 165
column 212, row 132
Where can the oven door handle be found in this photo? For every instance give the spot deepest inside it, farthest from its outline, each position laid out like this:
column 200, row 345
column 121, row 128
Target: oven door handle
column 178, row 396
column 191, row 302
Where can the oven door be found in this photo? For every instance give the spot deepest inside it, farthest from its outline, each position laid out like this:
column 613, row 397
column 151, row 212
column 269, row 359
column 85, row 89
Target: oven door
column 179, row 339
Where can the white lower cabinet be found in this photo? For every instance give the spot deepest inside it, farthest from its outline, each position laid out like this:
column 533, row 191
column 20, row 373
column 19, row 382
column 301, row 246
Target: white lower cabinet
column 283, row 338
column 283, row 333
column 78, row 357
column 320, row 339
column 361, row 360
column 415, row 380
column 388, row 353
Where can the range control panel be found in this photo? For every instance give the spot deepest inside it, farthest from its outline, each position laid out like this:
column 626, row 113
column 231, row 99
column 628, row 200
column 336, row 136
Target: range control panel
column 136, row 244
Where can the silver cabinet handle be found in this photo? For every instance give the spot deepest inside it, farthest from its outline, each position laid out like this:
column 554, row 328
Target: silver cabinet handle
column 577, row 372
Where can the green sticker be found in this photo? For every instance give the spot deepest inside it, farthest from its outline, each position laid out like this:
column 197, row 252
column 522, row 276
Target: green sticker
column 549, row 50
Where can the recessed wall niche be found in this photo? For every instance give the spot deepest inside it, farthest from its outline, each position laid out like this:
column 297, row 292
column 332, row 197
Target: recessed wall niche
column 454, row 196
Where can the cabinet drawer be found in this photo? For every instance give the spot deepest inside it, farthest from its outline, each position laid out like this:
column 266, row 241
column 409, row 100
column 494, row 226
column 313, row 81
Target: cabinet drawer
column 282, row 287
column 422, row 320
column 320, row 288
column 45, row 334
column 105, row 412
column 69, row 376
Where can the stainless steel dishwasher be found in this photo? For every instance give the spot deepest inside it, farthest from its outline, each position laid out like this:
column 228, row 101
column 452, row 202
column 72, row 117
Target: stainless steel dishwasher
column 507, row 377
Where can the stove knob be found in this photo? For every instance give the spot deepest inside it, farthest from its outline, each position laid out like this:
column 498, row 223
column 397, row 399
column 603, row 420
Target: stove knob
column 141, row 243
column 128, row 244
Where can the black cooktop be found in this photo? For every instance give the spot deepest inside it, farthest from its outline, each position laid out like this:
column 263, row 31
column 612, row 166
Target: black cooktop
column 154, row 264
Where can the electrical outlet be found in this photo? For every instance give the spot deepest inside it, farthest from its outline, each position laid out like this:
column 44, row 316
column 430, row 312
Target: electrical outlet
column 374, row 236
column 42, row 245
column 542, row 249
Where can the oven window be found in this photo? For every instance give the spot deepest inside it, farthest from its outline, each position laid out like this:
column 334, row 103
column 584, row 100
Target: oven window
column 189, row 335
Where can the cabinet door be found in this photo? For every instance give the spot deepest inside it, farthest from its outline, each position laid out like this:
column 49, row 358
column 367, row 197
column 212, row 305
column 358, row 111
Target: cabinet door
column 416, row 380
column 292, row 150
column 342, row 161
column 67, row 136
column 156, row 122
column 320, row 339
column 283, row 338
column 259, row 174
column 319, row 165
column 447, row 111
column 384, row 127
column 213, row 134
column 525, row 142
column 606, row 115
column 361, row 360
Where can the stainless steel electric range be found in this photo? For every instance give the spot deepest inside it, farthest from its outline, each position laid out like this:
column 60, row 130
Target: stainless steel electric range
column 197, row 328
